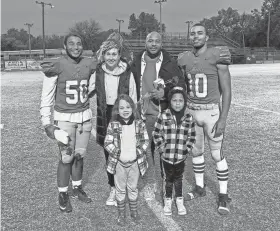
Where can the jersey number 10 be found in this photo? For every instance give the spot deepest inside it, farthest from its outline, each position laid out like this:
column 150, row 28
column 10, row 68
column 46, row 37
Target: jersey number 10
column 193, row 82
column 74, row 91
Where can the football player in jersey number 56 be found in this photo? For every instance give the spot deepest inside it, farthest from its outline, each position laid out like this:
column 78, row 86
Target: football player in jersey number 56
column 208, row 78
column 65, row 87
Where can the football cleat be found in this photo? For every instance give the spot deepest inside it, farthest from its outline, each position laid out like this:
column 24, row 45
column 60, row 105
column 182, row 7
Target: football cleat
column 50, row 129
column 64, row 202
column 79, row 193
column 223, row 204
column 195, row 193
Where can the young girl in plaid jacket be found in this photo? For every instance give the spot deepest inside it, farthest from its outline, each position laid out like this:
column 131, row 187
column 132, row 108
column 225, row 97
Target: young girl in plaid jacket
column 126, row 141
column 174, row 137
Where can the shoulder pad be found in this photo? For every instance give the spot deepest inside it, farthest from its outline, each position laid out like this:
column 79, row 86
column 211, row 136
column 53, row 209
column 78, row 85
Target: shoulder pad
column 91, row 62
column 51, row 67
column 182, row 57
column 224, row 56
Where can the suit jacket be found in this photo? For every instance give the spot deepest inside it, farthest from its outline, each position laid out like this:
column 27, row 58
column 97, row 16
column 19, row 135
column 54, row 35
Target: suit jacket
column 167, row 71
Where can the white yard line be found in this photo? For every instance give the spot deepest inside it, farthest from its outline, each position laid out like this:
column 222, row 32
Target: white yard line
column 256, row 108
column 154, row 205
column 167, row 221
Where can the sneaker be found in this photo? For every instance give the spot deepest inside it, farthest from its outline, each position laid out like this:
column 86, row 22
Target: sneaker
column 223, row 204
column 196, row 192
column 112, row 197
column 64, row 202
column 79, row 193
column 180, row 206
column 149, row 192
column 167, row 206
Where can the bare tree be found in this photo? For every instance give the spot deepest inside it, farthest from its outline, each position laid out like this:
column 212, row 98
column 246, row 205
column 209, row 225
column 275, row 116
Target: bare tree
column 88, row 30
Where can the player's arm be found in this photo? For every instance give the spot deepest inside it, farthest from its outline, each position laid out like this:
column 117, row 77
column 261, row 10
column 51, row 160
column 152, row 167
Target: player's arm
column 225, row 86
column 47, row 101
column 51, row 69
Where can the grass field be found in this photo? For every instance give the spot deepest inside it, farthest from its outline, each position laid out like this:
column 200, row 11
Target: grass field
column 252, row 147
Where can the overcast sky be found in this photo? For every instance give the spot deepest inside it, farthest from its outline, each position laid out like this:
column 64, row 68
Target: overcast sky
column 15, row 13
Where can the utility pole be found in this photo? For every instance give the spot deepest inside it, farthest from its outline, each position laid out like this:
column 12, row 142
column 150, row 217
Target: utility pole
column 188, row 31
column 43, row 4
column 160, row 2
column 120, row 21
column 29, row 42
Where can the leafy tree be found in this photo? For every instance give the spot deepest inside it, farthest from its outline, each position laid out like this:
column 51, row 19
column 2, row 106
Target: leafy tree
column 88, row 30
column 54, row 41
column 144, row 24
column 15, row 39
column 250, row 29
column 272, row 7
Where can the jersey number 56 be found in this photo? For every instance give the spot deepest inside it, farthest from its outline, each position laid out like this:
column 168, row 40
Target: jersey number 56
column 76, row 91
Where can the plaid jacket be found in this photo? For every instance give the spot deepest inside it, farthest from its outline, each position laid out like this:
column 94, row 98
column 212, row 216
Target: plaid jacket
column 174, row 143
column 112, row 144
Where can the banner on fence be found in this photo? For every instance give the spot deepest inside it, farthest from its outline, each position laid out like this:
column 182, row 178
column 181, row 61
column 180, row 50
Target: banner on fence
column 2, row 64
column 15, row 65
column 33, row 65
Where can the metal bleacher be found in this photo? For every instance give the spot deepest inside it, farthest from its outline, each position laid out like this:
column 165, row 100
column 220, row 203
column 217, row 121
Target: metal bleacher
column 174, row 47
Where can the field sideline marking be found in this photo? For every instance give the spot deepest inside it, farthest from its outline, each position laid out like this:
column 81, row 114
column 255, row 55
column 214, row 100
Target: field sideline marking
column 155, row 206
column 256, row 108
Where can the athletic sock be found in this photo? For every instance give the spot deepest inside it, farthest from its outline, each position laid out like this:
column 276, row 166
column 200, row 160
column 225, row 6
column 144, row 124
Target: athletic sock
column 222, row 174
column 63, row 189
column 198, row 168
column 76, row 183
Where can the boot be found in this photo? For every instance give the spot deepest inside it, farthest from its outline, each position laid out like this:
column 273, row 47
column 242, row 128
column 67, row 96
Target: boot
column 133, row 211
column 121, row 213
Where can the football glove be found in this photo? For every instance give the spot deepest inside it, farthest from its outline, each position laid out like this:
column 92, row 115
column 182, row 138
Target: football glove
column 49, row 129
column 56, row 133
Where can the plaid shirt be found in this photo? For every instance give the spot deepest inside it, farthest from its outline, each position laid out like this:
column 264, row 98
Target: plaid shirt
column 174, row 142
column 112, row 144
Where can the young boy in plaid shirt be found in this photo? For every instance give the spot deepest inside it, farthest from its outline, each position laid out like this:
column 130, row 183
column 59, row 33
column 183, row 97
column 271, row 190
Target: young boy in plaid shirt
column 126, row 141
column 174, row 137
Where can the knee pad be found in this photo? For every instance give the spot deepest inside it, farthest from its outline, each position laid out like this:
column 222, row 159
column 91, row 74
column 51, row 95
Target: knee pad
column 217, row 155
column 66, row 153
column 80, row 152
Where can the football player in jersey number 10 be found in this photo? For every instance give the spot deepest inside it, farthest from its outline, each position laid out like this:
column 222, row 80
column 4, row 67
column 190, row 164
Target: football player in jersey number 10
column 65, row 87
column 208, row 79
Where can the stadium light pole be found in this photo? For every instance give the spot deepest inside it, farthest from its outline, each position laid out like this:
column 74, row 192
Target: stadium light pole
column 120, row 21
column 43, row 4
column 160, row 2
column 29, row 42
column 268, row 32
column 188, row 23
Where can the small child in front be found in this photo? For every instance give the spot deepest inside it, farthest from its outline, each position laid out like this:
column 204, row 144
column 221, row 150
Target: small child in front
column 174, row 137
column 126, row 141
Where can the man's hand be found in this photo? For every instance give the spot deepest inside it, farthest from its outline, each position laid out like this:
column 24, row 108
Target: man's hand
column 219, row 127
column 157, row 94
column 49, row 129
